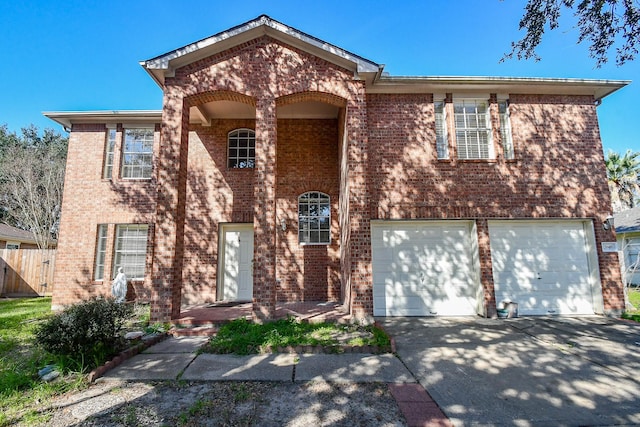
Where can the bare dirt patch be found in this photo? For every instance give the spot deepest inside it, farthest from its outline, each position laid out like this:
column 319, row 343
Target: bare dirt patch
column 119, row 403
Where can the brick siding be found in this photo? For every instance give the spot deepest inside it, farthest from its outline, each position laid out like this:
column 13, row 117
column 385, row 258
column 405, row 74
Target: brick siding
column 376, row 160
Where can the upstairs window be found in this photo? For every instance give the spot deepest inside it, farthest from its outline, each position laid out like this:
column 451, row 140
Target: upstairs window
column 137, row 153
column 442, row 143
column 109, row 149
column 314, row 218
column 505, row 130
column 241, row 149
column 473, row 129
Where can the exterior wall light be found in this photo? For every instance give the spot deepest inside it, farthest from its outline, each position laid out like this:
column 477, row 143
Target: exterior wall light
column 608, row 223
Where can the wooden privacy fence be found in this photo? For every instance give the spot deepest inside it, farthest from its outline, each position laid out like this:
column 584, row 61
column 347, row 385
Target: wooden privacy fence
column 27, row 272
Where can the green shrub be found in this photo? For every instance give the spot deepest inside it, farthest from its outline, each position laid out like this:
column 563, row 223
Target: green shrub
column 85, row 334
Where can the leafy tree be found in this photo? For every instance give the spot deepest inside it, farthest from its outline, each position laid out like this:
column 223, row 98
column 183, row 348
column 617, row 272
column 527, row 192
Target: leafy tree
column 31, row 181
column 622, row 175
column 603, row 24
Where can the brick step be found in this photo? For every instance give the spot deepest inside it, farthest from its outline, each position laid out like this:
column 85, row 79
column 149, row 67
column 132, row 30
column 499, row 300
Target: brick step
column 196, row 331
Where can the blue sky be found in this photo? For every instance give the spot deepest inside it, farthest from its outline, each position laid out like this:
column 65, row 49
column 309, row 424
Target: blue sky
column 84, row 55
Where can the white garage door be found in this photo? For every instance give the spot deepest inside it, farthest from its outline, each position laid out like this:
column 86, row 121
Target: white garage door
column 543, row 266
column 424, row 268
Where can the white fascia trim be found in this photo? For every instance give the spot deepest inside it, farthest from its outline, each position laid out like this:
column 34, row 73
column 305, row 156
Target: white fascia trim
column 68, row 118
column 162, row 62
column 150, row 126
column 495, row 79
column 471, row 96
column 533, row 85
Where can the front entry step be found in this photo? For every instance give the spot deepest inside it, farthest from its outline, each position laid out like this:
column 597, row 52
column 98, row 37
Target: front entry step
column 198, row 331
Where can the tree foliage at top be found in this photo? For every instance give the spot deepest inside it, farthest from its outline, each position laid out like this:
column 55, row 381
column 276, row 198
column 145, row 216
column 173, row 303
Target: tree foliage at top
column 603, row 24
column 31, row 181
column 622, row 174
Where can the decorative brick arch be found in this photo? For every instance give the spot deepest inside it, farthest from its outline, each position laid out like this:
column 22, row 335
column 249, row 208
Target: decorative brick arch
column 327, row 98
column 218, row 95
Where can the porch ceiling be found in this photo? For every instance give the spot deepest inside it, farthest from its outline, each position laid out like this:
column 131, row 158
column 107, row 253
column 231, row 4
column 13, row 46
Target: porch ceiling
column 203, row 114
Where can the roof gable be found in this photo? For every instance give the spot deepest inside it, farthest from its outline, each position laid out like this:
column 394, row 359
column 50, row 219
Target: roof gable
column 165, row 65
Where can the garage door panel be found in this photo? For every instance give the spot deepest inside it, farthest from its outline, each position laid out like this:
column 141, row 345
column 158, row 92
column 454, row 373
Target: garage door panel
column 544, row 267
column 423, row 269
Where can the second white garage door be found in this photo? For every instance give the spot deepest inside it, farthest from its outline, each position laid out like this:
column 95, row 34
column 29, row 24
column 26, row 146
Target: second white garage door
column 423, row 268
column 544, row 266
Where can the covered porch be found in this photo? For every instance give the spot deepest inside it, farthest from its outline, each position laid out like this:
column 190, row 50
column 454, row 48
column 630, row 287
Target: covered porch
column 215, row 314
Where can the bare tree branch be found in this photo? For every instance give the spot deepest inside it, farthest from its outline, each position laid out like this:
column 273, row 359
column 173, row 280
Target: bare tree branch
column 31, row 181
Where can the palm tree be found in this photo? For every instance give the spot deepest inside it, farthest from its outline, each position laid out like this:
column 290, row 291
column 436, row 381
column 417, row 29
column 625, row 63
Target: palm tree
column 622, row 175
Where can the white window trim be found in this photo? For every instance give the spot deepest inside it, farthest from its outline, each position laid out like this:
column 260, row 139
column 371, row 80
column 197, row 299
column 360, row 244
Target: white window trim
column 443, row 146
column 117, row 254
column 237, row 158
column 124, row 167
column 14, row 245
column 109, row 152
column 302, row 243
column 101, row 252
column 506, row 132
column 489, row 128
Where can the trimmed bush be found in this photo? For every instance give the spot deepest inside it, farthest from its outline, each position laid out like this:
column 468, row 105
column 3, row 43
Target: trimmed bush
column 87, row 333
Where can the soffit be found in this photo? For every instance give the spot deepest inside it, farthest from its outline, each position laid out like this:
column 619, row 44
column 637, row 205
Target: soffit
column 68, row 118
column 236, row 110
column 510, row 85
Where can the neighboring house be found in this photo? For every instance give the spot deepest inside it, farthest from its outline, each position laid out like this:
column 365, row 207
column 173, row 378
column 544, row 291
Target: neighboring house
column 627, row 224
column 15, row 238
column 283, row 168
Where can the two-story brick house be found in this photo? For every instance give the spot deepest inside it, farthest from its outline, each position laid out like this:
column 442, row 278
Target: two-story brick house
column 283, row 168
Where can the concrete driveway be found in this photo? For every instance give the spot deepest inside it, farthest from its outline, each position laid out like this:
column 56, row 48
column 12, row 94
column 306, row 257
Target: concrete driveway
column 525, row 372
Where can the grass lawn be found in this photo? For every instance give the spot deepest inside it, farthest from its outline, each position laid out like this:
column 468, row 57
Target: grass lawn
column 22, row 394
column 634, row 299
column 244, row 337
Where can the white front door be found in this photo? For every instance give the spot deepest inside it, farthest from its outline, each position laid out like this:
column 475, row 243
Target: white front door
column 237, row 262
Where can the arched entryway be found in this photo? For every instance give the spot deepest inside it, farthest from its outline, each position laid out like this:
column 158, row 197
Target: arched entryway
column 309, row 129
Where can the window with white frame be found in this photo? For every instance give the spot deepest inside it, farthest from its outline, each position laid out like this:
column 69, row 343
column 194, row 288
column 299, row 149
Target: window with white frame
column 101, row 252
column 505, row 130
column 473, row 129
column 314, row 218
column 632, row 247
column 109, row 149
column 12, row 245
column 130, row 250
column 137, row 153
column 241, row 152
column 442, row 143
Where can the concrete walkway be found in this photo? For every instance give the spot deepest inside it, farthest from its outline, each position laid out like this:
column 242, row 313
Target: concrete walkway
column 177, row 359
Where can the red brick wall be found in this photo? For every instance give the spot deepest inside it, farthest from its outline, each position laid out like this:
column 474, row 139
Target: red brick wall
column 258, row 73
column 376, row 161
column 307, row 161
column 215, row 194
column 88, row 201
column 557, row 172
